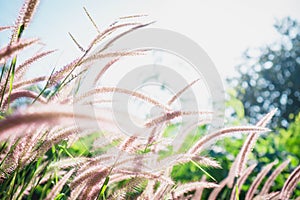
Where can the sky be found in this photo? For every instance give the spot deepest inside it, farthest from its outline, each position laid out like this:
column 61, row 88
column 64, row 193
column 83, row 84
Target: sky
column 224, row 29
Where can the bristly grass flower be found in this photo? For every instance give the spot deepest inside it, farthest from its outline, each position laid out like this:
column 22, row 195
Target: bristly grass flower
column 45, row 155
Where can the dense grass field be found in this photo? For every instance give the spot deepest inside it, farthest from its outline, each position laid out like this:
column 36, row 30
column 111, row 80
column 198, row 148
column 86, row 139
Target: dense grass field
column 51, row 148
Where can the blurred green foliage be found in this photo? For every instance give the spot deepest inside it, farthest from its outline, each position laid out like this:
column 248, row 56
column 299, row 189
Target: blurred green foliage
column 269, row 76
column 280, row 144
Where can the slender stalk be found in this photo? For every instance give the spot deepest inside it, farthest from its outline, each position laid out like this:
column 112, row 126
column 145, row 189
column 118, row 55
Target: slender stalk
column 2, row 72
column 43, row 90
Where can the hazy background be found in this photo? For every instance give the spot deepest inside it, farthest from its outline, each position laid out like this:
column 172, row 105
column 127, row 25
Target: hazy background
column 225, row 29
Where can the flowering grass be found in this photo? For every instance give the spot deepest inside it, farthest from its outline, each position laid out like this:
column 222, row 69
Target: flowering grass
column 45, row 155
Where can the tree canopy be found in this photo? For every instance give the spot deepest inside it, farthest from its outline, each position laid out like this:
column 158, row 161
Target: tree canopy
column 271, row 78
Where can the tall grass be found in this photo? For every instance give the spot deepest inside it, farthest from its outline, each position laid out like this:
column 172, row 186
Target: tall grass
column 45, row 155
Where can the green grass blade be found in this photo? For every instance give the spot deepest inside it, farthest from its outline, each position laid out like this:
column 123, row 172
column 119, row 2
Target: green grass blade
column 205, row 172
column 103, row 189
column 12, row 184
column 237, row 192
column 11, row 70
column 11, row 79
